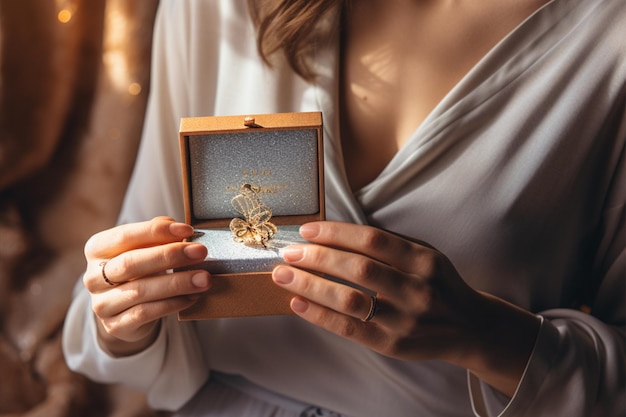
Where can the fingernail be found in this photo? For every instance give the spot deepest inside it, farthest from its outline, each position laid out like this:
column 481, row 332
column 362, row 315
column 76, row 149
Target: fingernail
column 195, row 252
column 200, row 280
column 181, row 230
column 292, row 253
column 309, row 230
column 282, row 276
column 299, row 305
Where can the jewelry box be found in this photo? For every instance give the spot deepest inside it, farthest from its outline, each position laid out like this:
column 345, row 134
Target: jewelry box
column 249, row 182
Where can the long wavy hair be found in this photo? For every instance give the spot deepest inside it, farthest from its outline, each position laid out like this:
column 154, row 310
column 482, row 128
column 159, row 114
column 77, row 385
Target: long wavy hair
column 294, row 28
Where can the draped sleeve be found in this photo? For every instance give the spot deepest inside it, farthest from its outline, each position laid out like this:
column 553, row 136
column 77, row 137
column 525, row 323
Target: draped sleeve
column 578, row 365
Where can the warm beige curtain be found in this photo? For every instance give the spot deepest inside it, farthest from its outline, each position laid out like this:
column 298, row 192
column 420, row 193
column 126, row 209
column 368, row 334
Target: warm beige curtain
column 73, row 87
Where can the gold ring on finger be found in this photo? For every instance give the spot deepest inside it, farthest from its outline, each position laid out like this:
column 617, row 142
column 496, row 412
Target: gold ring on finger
column 372, row 311
column 103, row 264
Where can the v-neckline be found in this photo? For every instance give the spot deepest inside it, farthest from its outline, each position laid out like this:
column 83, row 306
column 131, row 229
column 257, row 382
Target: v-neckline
column 460, row 92
column 508, row 58
column 463, row 87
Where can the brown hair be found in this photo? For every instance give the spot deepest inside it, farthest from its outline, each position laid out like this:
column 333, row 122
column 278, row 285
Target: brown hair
column 293, row 27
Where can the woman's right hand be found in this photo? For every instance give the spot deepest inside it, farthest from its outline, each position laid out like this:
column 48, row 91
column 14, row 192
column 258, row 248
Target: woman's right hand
column 135, row 258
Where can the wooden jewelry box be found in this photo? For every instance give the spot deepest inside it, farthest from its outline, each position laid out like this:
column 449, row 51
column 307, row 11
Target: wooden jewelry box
column 249, row 183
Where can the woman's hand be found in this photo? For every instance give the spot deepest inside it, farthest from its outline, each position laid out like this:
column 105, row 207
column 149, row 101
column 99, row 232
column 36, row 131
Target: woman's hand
column 424, row 310
column 134, row 259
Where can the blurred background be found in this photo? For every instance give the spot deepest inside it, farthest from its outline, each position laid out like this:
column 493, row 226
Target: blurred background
column 74, row 80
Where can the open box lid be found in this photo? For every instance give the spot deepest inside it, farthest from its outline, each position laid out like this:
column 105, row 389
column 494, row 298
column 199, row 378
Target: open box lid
column 280, row 154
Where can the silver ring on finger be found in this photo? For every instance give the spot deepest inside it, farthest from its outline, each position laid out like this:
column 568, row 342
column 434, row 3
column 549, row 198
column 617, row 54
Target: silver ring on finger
column 103, row 264
column 372, row 311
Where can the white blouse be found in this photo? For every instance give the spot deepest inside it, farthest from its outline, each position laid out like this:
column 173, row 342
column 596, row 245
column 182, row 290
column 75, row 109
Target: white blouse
column 518, row 176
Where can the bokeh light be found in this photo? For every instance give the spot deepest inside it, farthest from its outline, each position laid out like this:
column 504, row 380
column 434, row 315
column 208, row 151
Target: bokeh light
column 64, row 16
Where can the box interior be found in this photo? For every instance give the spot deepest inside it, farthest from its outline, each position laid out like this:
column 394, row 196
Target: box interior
column 283, row 164
column 226, row 256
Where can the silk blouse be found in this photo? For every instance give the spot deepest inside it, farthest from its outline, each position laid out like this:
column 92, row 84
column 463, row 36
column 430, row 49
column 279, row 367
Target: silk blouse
column 518, row 176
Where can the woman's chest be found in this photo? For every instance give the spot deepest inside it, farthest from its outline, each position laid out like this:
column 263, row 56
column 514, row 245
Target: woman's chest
column 398, row 63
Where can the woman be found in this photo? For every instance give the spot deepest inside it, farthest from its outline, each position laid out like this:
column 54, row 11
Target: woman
column 492, row 132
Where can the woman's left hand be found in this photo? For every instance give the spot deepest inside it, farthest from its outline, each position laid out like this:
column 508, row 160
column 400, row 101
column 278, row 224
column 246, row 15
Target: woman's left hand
column 424, row 309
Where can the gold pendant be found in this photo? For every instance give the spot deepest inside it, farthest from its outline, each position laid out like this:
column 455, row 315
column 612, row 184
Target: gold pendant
column 255, row 228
